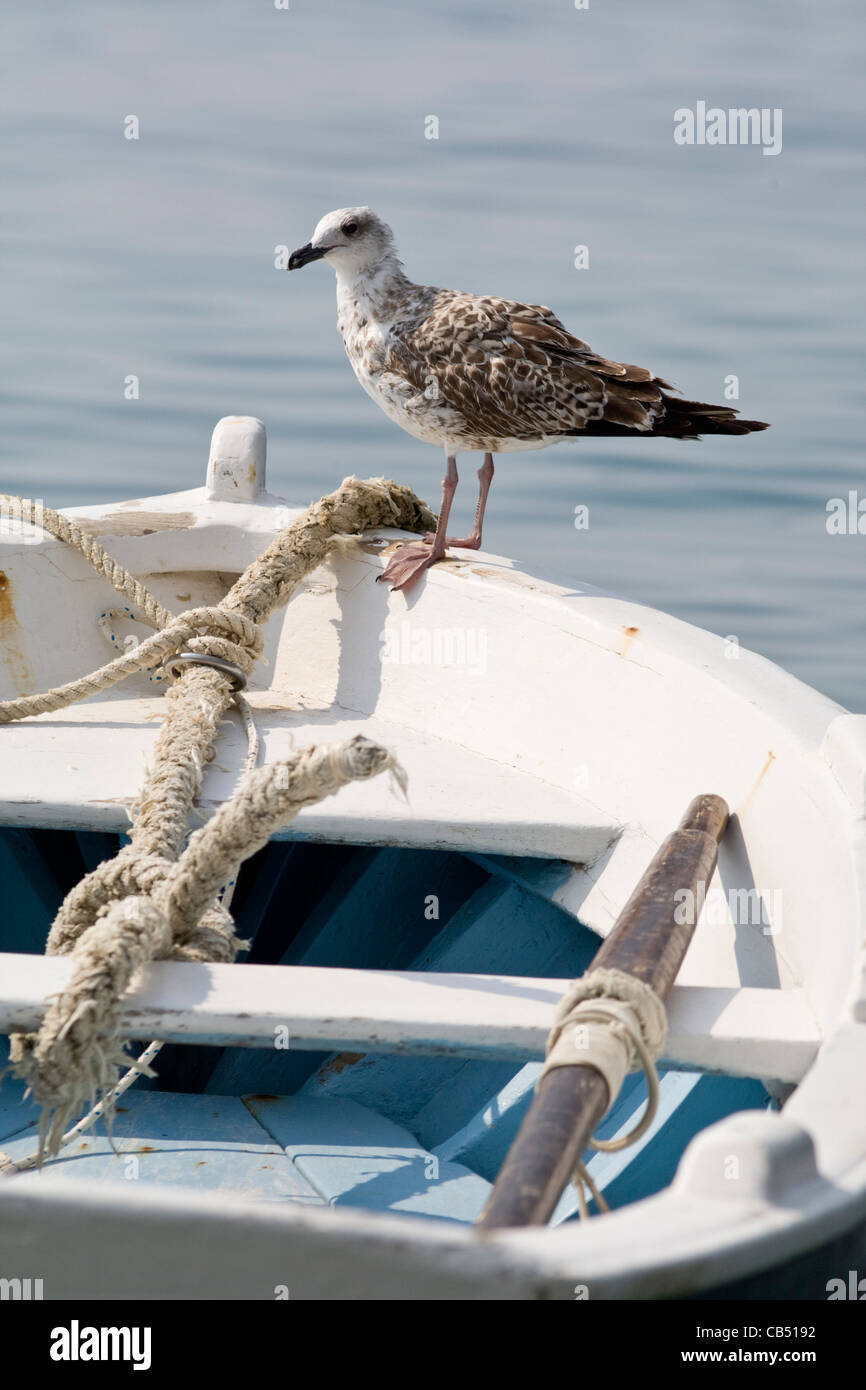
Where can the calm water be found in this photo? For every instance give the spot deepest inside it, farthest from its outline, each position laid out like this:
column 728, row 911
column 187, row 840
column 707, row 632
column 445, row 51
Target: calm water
column 155, row 257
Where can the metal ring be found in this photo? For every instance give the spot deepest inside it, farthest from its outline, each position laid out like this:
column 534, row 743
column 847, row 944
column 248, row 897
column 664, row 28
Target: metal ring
column 228, row 668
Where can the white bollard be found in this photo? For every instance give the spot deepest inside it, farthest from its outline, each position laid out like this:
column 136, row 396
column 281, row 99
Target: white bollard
column 236, row 467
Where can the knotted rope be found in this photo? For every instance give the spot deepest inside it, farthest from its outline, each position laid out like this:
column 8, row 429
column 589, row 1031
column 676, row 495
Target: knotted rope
column 153, row 900
column 615, row 1023
column 77, row 1052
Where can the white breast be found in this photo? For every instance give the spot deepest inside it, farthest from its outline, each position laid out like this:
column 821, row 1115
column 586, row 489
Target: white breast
column 368, row 345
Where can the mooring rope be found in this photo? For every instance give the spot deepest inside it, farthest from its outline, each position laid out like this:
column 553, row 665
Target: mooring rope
column 141, row 1066
column 157, row 899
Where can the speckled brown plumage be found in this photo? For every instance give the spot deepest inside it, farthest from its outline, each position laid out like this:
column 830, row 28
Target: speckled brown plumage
column 494, row 374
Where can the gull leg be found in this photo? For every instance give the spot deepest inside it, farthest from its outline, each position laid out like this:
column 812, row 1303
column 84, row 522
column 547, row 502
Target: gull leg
column 409, row 562
column 485, row 478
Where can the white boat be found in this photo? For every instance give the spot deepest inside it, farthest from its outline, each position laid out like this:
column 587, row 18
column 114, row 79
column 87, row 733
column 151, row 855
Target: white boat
column 415, row 951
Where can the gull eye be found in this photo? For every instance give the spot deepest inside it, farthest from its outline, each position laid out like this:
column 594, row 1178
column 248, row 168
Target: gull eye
column 350, row 228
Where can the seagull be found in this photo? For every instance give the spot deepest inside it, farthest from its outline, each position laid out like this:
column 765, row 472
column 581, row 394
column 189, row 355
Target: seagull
column 476, row 373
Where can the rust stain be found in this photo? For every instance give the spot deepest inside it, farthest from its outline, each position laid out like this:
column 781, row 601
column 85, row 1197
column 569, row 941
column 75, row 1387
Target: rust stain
column 771, row 758
column 262, row 1098
column 630, row 634
column 146, row 1149
column 345, row 1059
column 7, row 609
column 11, row 648
column 137, row 524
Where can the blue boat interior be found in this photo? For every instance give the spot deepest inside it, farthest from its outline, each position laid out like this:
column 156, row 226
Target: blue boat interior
column 424, row 1135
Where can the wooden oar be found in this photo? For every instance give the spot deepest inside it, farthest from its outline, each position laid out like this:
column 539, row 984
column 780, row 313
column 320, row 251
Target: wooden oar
column 648, row 941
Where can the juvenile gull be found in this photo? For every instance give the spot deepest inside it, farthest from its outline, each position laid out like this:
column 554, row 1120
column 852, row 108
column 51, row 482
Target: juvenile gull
column 473, row 372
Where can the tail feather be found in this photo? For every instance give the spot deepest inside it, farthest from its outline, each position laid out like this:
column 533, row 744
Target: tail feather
column 682, row 420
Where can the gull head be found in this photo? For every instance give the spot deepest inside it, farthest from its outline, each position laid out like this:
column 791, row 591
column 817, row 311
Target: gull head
column 353, row 240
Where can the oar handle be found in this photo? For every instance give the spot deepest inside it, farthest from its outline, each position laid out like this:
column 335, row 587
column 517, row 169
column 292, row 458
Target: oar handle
column 649, row 941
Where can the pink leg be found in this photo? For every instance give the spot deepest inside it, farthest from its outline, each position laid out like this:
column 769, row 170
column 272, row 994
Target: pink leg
column 408, row 563
column 485, row 478
column 449, row 487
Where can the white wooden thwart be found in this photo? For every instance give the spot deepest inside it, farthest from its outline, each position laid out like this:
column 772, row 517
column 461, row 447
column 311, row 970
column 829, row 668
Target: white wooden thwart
column 743, row 1032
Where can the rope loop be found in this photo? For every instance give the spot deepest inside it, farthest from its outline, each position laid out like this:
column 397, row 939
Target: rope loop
column 616, row 1023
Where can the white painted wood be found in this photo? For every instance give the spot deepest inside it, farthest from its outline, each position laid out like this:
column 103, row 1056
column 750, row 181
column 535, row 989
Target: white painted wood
column 747, row 1032
column 564, row 721
column 457, row 799
column 560, row 716
column 236, row 467
column 844, row 750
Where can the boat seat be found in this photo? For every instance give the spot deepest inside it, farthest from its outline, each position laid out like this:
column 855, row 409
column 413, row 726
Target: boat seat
column 458, row 799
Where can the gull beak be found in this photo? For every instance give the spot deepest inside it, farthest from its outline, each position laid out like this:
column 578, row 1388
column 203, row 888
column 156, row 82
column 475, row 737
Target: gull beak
column 305, row 254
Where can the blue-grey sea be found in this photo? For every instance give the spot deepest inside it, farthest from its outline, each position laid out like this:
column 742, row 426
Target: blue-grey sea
column 155, row 258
